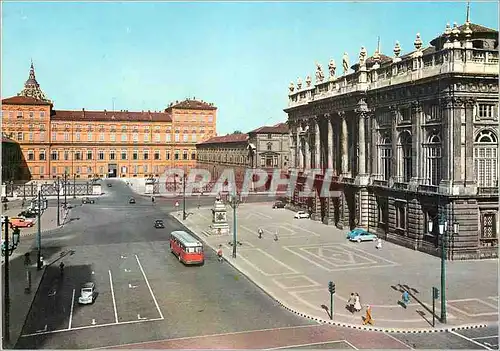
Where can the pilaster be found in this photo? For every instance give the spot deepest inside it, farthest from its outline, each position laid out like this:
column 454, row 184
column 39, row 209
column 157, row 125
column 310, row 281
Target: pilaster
column 317, row 141
column 330, row 151
column 416, row 142
column 343, row 145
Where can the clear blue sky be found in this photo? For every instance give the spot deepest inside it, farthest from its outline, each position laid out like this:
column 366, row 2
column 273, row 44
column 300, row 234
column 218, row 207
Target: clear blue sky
column 240, row 56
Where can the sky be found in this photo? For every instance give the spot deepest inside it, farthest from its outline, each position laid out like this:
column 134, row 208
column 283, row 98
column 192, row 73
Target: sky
column 239, row 55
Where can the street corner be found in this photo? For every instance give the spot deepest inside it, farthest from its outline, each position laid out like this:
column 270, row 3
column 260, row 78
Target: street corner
column 474, row 308
column 338, row 257
column 121, row 295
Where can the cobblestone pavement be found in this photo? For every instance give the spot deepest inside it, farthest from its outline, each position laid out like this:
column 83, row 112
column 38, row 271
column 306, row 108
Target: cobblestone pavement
column 296, row 269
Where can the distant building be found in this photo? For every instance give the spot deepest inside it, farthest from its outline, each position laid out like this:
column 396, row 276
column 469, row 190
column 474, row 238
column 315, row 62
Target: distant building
column 409, row 141
column 266, row 148
column 88, row 144
column 14, row 166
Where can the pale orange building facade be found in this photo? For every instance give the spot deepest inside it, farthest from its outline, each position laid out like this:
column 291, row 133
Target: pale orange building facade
column 90, row 144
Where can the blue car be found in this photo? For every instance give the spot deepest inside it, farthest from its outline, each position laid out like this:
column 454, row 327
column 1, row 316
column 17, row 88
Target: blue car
column 360, row 235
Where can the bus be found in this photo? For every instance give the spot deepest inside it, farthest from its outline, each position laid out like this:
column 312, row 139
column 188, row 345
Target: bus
column 186, row 248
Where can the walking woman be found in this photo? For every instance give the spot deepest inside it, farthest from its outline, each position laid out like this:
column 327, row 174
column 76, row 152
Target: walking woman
column 351, row 302
column 357, row 303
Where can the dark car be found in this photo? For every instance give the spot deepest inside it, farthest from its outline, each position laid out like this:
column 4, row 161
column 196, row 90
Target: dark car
column 4, row 199
column 159, row 224
column 27, row 214
column 110, row 185
column 87, row 200
column 131, row 201
column 279, row 204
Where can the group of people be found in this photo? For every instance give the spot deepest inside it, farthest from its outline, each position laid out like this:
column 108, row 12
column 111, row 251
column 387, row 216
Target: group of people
column 354, row 303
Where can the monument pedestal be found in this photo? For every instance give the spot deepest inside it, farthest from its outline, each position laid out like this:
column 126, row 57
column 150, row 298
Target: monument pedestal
column 219, row 224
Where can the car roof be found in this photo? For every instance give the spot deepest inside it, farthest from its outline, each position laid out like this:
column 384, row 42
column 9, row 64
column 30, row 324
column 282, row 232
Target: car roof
column 88, row 285
column 159, row 220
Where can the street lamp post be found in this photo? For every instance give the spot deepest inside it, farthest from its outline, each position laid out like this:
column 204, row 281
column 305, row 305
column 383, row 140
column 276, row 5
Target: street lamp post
column 443, row 228
column 184, row 215
column 39, row 263
column 234, row 202
column 65, row 188
column 58, row 209
column 74, row 186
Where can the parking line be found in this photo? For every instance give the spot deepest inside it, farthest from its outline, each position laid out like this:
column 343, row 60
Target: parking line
column 71, row 310
column 469, row 339
column 90, row 326
column 149, row 286
column 486, row 337
column 310, row 344
column 113, row 296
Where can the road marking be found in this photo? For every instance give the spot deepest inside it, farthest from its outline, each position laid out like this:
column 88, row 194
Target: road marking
column 53, row 292
column 309, row 344
column 132, row 286
column 139, row 317
column 121, row 256
column 90, row 326
column 113, row 296
column 470, row 340
column 127, row 270
column 401, row 342
column 93, row 272
column 93, row 321
column 485, row 337
column 44, row 330
column 71, row 310
column 208, row 335
column 149, row 286
column 351, row 345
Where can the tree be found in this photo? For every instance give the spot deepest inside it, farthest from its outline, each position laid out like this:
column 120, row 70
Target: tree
column 237, row 132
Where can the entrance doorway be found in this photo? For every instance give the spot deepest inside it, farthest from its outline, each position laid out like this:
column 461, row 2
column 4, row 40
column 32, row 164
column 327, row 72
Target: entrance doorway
column 112, row 170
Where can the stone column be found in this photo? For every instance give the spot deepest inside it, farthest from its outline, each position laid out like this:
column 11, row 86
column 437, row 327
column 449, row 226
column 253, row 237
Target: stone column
column 394, row 142
column 293, row 149
column 362, row 144
column 317, row 155
column 343, row 144
column 307, row 144
column 330, row 152
column 300, row 158
column 468, row 135
column 416, row 143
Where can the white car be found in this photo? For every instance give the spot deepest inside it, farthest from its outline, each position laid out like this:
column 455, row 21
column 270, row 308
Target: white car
column 87, row 294
column 301, row 214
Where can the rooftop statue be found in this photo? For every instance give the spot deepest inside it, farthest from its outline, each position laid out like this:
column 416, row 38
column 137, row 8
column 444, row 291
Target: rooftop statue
column 345, row 62
column 332, row 67
column 319, row 73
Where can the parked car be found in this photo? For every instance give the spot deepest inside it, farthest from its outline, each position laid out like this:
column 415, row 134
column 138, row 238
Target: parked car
column 21, row 222
column 110, row 185
column 87, row 294
column 360, row 235
column 4, row 199
column 301, row 214
column 87, row 200
column 279, row 204
column 159, row 224
column 27, row 214
column 131, row 201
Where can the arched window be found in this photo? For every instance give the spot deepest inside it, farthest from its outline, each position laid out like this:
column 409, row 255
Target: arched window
column 485, row 159
column 433, row 158
column 405, row 157
column 385, row 152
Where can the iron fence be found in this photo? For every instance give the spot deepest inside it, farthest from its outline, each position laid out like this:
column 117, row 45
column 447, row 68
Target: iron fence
column 31, row 190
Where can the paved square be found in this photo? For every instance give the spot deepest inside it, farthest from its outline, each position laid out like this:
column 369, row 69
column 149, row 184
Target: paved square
column 473, row 307
column 338, row 257
column 267, row 264
column 298, row 282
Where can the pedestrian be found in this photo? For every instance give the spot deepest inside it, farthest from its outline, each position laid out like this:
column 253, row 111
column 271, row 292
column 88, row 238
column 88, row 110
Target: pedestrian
column 350, row 303
column 260, row 233
column 368, row 317
column 405, row 299
column 276, row 236
column 379, row 243
column 61, row 267
column 357, row 303
column 219, row 253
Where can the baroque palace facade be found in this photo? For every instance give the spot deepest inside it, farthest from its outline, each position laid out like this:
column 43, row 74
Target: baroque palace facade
column 266, row 148
column 90, row 144
column 409, row 141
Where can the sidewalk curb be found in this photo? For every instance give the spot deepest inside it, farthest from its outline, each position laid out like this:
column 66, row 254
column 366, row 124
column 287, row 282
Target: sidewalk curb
column 340, row 324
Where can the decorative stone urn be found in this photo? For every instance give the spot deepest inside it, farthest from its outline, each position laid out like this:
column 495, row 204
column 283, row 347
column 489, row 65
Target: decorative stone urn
column 219, row 224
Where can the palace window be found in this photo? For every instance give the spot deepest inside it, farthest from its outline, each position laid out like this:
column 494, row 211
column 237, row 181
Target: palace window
column 146, row 137
column 101, row 169
column 185, row 155
column 112, row 155
column 124, row 137
column 488, row 228
column 101, row 137
column 89, row 136
column 31, row 114
column 145, row 169
column 124, row 154
column 41, row 155
column 168, row 137
column 405, row 149
column 400, row 215
column 89, row 170
column 66, row 170
column 135, row 154
column 31, row 155
column 433, row 158
column 20, row 136
column 54, row 155
column 19, row 114
column 177, row 136
column 54, row 136
column 30, row 136
column 167, row 155
column 383, row 214
column 157, row 138
column 269, row 146
column 385, row 149
column 66, row 136
column 89, row 154
column 485, row 159
column 112, row 137
column 66, row 155
column 42, row 114
column 193, row 136
column 136, row 169
column 193, row 156
column 124, row 128
column 77, row 136
column 146, row 154
column 210, row 118
column 176, row 156
column 185, row 137
column 42, row 136
column 486, row 111
column 157, row 154
column 77, row 155
column 78, row 169
column 100, row 155
column 269, row 136
column 112, row 128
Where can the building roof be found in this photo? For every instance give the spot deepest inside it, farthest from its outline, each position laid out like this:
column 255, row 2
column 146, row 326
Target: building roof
column 230, row 138
column 475, row 28
column 192, row 104
column 32, row 88
column 24, row 100
column 110, row 116
column 370, row 61
column 280, row 128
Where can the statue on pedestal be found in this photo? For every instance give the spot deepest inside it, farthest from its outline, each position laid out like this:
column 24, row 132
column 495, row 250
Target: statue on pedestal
column 219, row 218
column 345, row 62
column 319, row 73
column 332, row 67
column 362, row 56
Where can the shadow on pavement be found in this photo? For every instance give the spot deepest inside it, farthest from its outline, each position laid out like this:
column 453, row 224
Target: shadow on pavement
column 52, row 306
column 412, row 292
